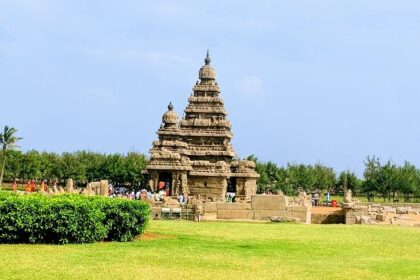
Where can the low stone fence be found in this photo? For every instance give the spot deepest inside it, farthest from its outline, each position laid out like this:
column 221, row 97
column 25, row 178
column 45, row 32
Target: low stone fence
column 261, row 207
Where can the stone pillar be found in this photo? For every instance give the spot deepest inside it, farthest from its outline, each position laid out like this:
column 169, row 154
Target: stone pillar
column 151, row 186
column 184, row 184
column 250, row 187
column 104, row 187
column 69, row 185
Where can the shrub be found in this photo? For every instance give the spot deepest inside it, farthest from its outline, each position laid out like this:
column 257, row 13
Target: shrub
column 69, row 219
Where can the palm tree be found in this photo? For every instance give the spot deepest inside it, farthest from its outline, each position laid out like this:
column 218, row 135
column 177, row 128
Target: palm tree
column 7, row 141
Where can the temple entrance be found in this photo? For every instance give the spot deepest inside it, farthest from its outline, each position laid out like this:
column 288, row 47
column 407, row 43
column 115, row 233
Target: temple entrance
column 165, row 183
column 231, row 187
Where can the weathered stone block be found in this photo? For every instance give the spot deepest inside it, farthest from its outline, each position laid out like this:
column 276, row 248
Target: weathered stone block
column 210, row 207
column 303, row 216
column 297, row 208
column 350, row 220
column 284, row 219
column 268, row 202
column 348, row 205
column 233, row 206
column 156, row 213
column 209, row 216
column 267, row 214
column 381, row 217
column 390, row 210
column 103, row 185
column 401, row 210
column 235, row 214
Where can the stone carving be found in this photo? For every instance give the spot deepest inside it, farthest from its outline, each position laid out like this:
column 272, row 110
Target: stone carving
column 303, row 199
column 69, row 185
column 348, row 197
column 194, row 155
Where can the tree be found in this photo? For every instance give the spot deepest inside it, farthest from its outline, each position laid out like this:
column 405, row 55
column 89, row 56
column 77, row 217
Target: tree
column 325, row 177
column 134, row 164
column 8, row 141
column 31, row 165
column 348, row 180
column 371, row 175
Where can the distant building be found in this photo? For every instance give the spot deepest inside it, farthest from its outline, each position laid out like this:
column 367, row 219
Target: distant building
column 194, row 156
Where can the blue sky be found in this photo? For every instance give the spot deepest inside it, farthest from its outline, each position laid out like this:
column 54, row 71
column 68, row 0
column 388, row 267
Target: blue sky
column 303, row 81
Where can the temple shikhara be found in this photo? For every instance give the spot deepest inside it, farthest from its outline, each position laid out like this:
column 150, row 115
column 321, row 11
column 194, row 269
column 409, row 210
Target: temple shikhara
column 194, row 156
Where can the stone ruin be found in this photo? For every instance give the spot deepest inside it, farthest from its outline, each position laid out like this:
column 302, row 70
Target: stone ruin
column 375, row 213
column 92, row 188
column 194, row 156
column 277, row 208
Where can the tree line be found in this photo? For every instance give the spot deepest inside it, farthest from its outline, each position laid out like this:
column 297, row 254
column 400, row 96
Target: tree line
column 387, row 180
column 81, row 166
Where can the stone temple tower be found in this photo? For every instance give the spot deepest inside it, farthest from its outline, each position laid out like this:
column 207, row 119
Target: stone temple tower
column 194, row 156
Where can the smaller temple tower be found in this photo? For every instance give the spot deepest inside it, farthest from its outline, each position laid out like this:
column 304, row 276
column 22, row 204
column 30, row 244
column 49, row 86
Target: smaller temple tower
column 194, row 156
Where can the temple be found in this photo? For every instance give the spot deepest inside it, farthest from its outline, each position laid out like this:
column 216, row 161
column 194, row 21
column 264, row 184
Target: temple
column 194, row 156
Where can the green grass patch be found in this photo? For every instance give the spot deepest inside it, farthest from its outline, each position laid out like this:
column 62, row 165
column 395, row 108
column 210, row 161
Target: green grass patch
column 228, row 250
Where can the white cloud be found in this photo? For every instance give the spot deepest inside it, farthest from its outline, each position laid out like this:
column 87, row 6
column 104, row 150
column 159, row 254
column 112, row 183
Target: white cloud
column 251, row 85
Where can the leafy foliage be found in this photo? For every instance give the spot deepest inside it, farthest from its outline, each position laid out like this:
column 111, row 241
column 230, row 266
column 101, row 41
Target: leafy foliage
column 386, row 180
column 69, row 219
column 389, row 179
column 81, row 166
column 8, row 141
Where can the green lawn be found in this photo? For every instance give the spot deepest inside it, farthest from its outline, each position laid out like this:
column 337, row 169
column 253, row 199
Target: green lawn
column 227, row 250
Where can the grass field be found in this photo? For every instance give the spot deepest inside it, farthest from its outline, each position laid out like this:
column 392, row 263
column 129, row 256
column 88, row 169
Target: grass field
column 227, row 250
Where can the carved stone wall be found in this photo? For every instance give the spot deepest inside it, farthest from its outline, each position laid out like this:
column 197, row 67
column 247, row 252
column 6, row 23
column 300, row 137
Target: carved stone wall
column 261, row 207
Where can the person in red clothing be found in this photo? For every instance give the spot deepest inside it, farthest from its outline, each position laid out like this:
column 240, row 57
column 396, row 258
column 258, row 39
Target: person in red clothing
column 33, row 186
column 28, row 187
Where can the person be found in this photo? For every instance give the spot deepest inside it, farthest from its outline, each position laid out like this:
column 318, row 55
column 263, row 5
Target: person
column 28, row 186
column 161, row 195
column 33, row 186
column 138, row 195
column 180, row 198
column 316, row 198
column 157, row 196
column 149, row 195
column 43, row 187
column 14, row 186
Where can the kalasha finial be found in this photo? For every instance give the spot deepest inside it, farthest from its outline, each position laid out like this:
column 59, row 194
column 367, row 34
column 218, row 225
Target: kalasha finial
column 170, row 106
column 207, row 60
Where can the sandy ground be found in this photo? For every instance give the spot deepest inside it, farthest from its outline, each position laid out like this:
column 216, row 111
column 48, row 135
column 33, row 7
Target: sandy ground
column 326, row 210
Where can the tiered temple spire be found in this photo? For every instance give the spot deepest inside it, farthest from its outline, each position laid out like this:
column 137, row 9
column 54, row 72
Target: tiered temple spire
column 195, row 156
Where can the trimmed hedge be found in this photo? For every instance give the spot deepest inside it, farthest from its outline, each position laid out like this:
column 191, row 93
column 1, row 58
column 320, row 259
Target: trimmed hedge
column 66, row 219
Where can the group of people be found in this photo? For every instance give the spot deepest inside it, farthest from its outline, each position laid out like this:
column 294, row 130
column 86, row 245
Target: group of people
column 141, row 194
column 145, row 194
column 31, row 186
column 316, row 199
